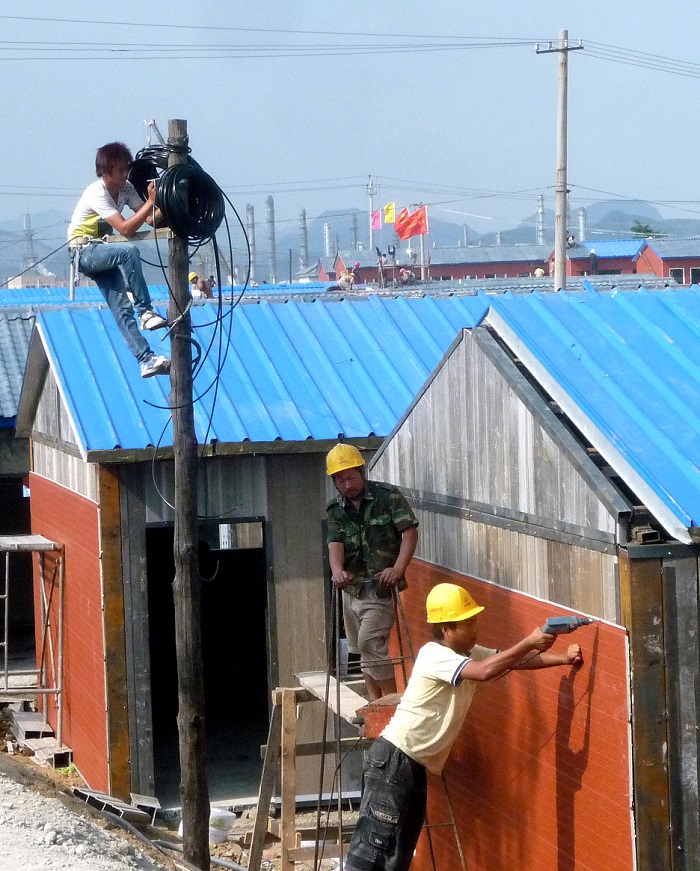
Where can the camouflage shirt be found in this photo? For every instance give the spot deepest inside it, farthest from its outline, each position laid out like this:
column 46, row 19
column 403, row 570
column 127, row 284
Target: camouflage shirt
column 371, row 536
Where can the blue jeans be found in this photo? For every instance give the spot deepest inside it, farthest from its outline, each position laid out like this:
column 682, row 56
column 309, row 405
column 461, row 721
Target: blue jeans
column 392, row 811
column 114, row 266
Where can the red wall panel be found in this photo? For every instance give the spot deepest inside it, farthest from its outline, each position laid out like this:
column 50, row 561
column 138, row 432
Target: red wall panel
column 72, row 520
column 539, row 776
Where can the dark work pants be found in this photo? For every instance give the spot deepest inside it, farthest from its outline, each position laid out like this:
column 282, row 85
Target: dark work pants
column 392, row 811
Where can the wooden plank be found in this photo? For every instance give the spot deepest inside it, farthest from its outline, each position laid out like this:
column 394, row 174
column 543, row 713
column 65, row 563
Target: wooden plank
column 267, row 784
column 142, row 235
column 681, row 617
column 315, row 682
column 289, row 780
column 314, row 748
column 307, row 854
column 641, row 606
column 118, row 749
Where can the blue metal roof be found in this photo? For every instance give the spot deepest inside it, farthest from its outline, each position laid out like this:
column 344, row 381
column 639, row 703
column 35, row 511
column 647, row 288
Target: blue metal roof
column 292, row 371
column 625, row 368
column 607, row 248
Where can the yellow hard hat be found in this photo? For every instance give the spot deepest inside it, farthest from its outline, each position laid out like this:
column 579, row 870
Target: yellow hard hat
column 192, row 276
column 450, row 603
column 343, row 457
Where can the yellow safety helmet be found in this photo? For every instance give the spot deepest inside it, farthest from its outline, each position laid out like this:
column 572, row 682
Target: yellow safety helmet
column 450, row 603
column 192, row 276
column 343, row 457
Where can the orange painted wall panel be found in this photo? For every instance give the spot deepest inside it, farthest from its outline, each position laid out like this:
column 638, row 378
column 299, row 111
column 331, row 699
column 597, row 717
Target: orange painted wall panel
column 72, row 520
column 539, row 776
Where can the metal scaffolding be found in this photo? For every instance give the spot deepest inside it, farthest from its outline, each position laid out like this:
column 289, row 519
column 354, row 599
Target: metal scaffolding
column 49, row 670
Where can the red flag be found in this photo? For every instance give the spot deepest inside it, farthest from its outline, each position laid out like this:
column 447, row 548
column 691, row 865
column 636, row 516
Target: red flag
column 376, row 220
column 411, row 225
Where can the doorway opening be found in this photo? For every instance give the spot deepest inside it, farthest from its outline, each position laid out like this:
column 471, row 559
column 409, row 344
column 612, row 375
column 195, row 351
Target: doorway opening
column 234, row 657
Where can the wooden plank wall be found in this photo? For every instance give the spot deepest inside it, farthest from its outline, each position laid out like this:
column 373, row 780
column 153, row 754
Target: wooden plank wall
column 540, row 774
column 682, row 643
column 65, row 469
column 472, row 435
column 576, row 577
column 51, row 418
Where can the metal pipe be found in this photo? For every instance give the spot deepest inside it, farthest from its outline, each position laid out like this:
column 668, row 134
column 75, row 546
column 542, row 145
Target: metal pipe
column 59, row 676
column 6, row 620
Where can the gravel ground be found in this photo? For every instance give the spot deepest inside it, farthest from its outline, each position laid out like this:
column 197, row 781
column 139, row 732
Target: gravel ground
column 40, row 830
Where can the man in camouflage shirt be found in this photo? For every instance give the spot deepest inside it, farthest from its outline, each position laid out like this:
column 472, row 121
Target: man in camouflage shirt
column 372, row 536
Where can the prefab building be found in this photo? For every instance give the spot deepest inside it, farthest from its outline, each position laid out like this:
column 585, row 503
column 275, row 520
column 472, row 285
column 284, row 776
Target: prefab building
column 550, row 459
column 553, row 462
column 291, row 379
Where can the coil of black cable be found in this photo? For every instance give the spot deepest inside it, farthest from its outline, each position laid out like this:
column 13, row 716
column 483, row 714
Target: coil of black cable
column 191, row 202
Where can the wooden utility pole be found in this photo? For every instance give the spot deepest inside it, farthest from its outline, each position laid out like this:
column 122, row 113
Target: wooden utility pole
column 194, row 792
column 561, row 191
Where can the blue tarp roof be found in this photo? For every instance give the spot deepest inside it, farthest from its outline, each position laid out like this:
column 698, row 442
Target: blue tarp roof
column 625, row 368
column 292, row 371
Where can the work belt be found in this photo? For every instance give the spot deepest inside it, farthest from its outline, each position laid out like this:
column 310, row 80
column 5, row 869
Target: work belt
column 367, row 586
column 81, row 241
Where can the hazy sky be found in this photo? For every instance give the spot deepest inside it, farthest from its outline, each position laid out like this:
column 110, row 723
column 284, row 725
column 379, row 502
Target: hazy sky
column 471, row 130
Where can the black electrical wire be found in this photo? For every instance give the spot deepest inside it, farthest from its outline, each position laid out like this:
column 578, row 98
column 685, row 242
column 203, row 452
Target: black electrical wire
column 191, row 202
column 55, row 251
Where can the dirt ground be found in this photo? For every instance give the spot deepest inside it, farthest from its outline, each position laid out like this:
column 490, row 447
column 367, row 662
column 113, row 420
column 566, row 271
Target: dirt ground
column 43, row 825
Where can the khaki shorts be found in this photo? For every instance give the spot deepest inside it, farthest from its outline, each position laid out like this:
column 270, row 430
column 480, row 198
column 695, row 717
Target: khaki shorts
column 368, row 623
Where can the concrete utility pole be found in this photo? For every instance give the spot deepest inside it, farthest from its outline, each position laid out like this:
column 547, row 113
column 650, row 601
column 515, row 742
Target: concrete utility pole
column 372, row 191
column 561, row 191
column 194, row 791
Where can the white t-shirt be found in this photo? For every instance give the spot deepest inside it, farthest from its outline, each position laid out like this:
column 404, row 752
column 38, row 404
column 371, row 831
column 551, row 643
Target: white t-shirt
column 97, row 204
column 433, row 708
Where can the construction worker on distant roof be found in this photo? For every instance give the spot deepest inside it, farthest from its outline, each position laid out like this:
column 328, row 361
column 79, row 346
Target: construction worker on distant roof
column 372, row 535
column 117, row 266
column 430, row 714
column 201, row 288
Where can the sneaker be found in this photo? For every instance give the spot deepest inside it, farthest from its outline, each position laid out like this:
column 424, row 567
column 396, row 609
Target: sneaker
column 152, row 321
column 154, row 365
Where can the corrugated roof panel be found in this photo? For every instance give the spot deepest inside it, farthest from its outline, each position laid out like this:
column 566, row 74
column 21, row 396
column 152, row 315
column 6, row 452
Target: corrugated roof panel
column 97, row 377
column 15, row 333
column 669, row 248
column 623, row 367
column 605, row 248
column 292, row 371
column 489, row 254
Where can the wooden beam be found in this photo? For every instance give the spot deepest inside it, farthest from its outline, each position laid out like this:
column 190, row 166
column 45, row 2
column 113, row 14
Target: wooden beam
column 289, row 776
column 641, row 607
column 142, row 235
column 267, row 785
column 118, row 746
column 350, row 702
